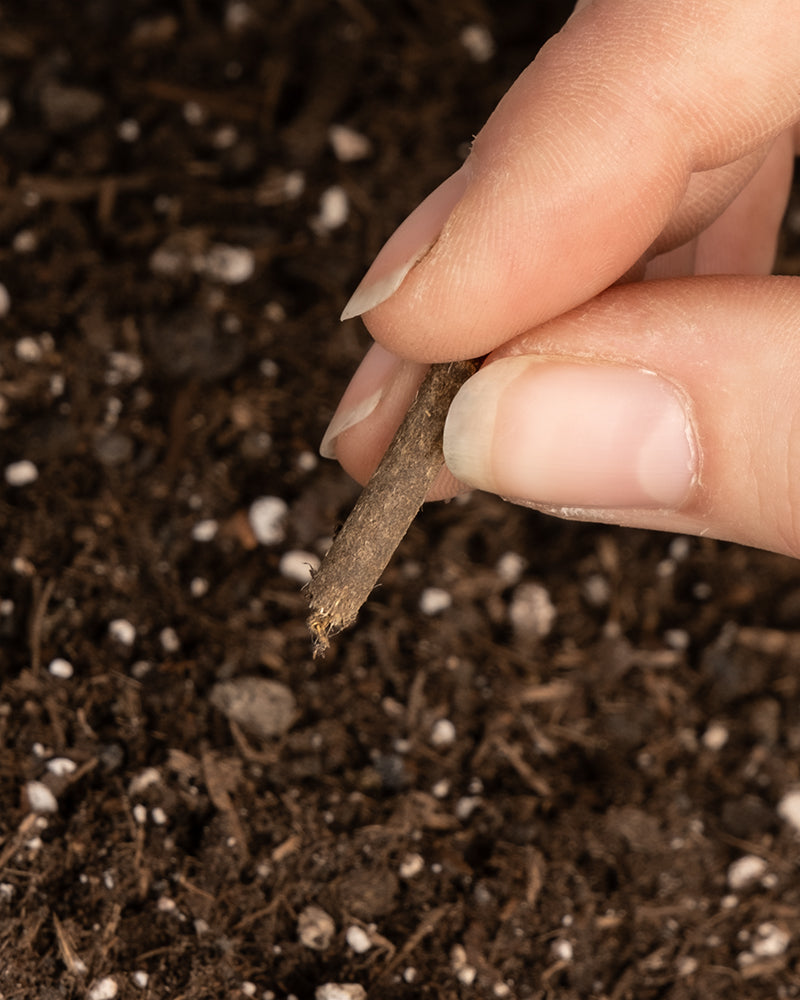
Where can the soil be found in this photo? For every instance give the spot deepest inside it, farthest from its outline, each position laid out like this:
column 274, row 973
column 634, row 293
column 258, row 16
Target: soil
column 552, row 760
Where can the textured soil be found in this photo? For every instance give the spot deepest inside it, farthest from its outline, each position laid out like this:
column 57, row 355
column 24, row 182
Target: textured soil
column 552, row 761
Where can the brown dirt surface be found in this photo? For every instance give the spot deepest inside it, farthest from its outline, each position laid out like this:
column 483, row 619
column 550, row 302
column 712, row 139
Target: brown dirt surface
column 537, row 791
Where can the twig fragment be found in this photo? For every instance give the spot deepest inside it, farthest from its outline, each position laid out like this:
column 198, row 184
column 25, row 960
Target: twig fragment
column 387, row 506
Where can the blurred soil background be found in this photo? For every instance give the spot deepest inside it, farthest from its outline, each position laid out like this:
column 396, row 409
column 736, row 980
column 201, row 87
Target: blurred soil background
column 552, row 761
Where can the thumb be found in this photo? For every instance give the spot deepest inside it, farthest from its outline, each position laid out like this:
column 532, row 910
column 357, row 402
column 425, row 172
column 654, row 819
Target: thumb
column 672, row 405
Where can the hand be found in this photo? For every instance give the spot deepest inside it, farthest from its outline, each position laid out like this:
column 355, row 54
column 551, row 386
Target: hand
column 645, row 140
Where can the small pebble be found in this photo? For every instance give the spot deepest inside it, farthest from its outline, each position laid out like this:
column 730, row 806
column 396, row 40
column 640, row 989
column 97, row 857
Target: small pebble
column 248, row 988
column 347, row 144
column 59, row 667
column 206, row 530
column 40, row 798
column 298, row 566
column 199, row 586
column 140, row 979
column 262, row 707
column 789, row 808
column 340, row 991
column 267, row 517
column 443, row 734
column 21, row 473
column 104, row 989
column 315, row 928
column 434, row 600
column 745, row 871
column 122, row 631
column 358, row 939
column 158, row 816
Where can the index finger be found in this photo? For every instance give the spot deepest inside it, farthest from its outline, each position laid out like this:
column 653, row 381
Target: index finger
column 580, row 168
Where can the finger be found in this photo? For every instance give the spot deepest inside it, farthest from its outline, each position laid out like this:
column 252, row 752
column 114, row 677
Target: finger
column 738, row 239
column 672, row 405
column 581, row 167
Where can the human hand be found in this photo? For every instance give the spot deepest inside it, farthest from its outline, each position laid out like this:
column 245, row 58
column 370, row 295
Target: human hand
column 645, row 140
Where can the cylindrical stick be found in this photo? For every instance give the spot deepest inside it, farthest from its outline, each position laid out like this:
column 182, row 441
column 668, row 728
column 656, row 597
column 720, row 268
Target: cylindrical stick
column 388, row 504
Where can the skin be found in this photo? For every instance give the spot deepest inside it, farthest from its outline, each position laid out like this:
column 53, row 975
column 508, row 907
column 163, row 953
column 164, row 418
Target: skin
column 645, row 141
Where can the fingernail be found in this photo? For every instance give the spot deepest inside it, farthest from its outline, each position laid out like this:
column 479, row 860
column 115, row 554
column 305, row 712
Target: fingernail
column 361, row 396
column 567, row 435
column 407, row 246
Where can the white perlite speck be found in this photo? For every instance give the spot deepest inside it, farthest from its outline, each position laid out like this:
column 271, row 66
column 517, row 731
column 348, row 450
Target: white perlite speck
column 358, row 939
column 298, row 566
column 411, row 866
column 510, row 567
column 315, row 928
column 267, row 517
column 21, row 473
column 745, row 871
column 478, row 41
column 205, row 530
column 434, row 600
column 145, row 779
column 789, row 808
column 443, row 734
column 771, row 940
column 532, row 612
column 122, row 631
column 170, row 642
column 347, row 144
column 59, row 667
column 140, row 979
column 103, row 989
column 716, row 736
column 340, row 991
column 40, row 798
column 61, row 767
column 334, row 209
column 228, row 264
